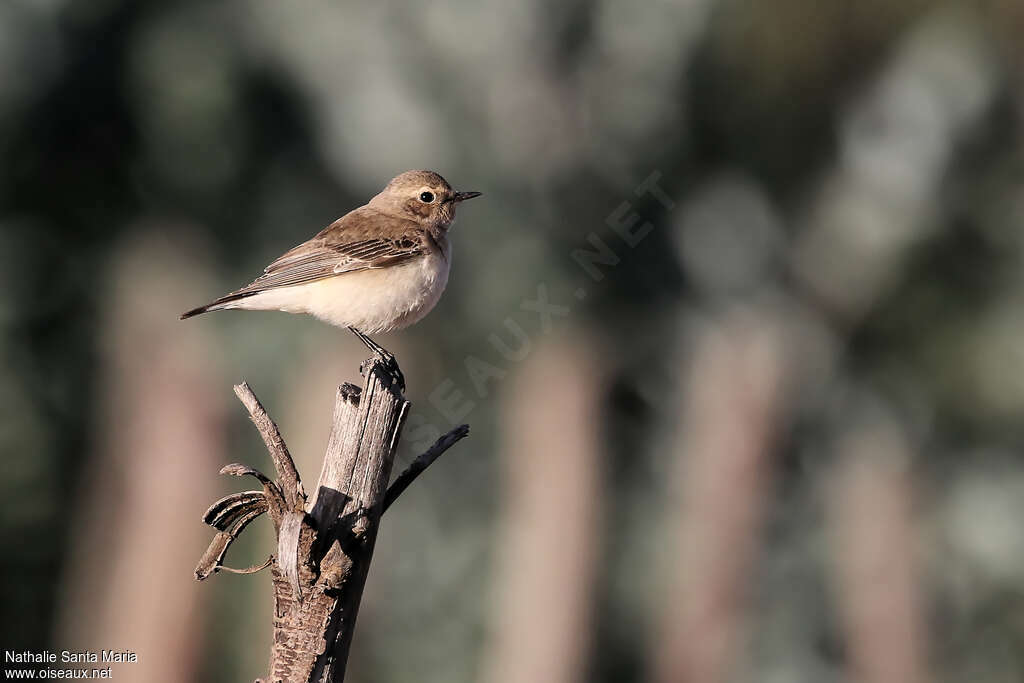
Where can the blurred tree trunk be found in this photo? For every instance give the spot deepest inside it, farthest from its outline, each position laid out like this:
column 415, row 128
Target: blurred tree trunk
column 729, row 419
column 549, row 531
column 874, row 556
column 128, row 583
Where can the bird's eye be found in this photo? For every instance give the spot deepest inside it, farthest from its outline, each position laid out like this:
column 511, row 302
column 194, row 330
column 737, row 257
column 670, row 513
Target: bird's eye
column 426, row 197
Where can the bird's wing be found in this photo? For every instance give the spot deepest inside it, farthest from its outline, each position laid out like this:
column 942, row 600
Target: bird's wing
column 357, row 241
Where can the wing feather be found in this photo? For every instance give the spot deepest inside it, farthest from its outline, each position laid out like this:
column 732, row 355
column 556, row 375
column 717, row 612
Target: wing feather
column 347, row 245
column 362, row 239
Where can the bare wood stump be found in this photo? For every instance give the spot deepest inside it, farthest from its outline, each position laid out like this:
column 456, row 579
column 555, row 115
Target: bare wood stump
column 324, row 542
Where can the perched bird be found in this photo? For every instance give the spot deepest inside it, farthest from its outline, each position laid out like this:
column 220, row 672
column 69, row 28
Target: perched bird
column 378, row 268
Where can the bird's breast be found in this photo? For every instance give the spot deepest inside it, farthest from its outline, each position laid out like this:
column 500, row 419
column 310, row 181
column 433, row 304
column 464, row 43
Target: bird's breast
column 380, row 299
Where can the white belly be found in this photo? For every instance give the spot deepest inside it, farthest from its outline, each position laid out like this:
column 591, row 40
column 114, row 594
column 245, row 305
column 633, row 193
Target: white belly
column 372, row 301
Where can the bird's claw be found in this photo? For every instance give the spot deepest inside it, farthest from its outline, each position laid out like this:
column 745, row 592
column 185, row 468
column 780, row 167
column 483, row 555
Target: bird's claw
column 390, row 366
column 385, row 357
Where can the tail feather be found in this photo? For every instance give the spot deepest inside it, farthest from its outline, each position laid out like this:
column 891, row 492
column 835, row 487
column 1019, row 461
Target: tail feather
column 196, row 311
column 215, row 305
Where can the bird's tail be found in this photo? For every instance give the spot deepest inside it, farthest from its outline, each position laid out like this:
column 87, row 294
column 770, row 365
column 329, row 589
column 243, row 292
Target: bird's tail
column 216, row 305
column 197, row 311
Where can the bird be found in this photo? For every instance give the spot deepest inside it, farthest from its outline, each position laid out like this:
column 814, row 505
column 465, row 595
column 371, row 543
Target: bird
column 380, row 267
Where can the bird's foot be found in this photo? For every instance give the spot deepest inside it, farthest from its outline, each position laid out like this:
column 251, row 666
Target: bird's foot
column 390, row 366
column 386, row 358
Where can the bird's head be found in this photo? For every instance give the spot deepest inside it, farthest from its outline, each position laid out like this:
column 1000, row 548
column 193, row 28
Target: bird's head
column 421, row 196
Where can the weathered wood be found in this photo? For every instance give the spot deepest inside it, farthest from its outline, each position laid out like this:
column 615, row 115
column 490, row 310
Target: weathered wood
column 325, row 506
column 230, row 515
column 325, row 543
column 356, row 472
column 287, row 475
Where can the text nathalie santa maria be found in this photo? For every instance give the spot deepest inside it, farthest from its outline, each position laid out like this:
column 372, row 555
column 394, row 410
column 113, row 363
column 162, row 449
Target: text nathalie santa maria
column 69, row 656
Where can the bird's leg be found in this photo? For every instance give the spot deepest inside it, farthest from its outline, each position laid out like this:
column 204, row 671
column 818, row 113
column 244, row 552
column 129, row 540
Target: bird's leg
column 379, row 350
column 385, row 356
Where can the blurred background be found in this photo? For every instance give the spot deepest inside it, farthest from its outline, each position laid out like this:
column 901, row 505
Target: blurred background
column 737, row 326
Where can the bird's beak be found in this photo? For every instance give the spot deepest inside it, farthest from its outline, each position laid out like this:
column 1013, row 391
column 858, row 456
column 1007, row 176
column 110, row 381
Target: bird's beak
column 463, row 196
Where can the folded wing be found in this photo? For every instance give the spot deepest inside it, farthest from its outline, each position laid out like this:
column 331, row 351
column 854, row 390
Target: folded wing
column 357, row 241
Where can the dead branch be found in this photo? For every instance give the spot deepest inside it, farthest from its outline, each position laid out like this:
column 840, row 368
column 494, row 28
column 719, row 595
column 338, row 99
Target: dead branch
column 325, row 542
column 402, row 481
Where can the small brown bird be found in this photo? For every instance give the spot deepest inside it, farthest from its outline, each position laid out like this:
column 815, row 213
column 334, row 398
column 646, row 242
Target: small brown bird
column 378, row 268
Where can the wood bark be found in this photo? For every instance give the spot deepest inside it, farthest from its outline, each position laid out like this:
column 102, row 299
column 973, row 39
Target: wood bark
column 325, row 541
